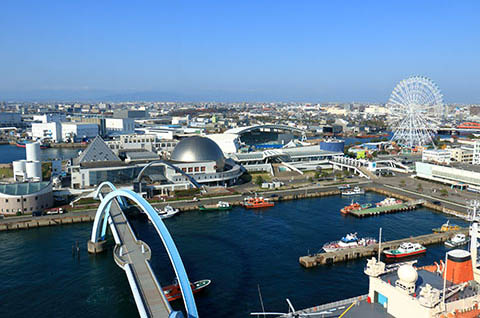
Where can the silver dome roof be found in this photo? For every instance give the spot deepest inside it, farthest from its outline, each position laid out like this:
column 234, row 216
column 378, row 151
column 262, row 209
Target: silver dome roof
column 198, row 148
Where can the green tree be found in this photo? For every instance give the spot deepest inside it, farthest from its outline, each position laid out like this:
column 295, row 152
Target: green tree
column 259, row 180
column 443, row 193
column 402, row 183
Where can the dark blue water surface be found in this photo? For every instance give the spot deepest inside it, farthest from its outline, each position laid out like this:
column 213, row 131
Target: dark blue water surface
column 237, row 250
column 9, row 153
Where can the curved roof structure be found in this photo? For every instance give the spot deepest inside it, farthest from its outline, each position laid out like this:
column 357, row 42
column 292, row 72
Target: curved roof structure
column 195, row 149
column 24, row 188
column 243, row 130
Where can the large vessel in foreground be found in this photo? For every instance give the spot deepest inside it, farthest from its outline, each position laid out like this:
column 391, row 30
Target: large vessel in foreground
column 348, row 241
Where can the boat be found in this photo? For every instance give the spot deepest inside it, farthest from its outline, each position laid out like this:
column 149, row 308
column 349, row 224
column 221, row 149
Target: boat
column 173, row 292
column 23, row 144
column 167, row 212
column 348, row 241
column 220, row 206
column 446, row 227
column 257, row 202
column 458, row 240
column 406, row 249
column 355, row 207
column 388, row 202
column 355, row 191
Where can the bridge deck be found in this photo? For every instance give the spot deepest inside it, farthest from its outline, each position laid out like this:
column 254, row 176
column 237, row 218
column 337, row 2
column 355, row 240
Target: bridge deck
column 151, row 292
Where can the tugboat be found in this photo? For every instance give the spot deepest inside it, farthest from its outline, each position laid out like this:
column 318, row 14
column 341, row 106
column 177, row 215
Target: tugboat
column 257, row 202
column 220, row 206
column 458, row 240
column 406, row 249
column 348, row 241
column 173, row 292
column 167, row 212
column 388, row 202
column 446, row 227
column 355, row 191
column 355, row 207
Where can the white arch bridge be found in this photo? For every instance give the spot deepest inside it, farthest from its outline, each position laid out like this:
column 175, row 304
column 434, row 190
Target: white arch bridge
column 133, row 255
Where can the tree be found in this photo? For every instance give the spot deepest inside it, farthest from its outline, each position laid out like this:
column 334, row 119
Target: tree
column 310, row 179
column 259, row 180
column 317, row 175
column 419, row 187
column 402, row 183
column 443, row 193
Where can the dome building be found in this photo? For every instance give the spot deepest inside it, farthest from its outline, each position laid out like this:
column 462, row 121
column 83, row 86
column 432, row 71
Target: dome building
column 202, row 158
column 198, row 149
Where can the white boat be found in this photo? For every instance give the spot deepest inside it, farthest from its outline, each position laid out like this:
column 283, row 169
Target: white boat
column 355, row 191
column 348, row 241
column 167, row 212
column 389, row 202
column 458, row 240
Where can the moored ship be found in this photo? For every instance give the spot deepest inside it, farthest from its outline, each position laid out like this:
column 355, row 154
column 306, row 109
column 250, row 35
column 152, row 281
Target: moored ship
column 355, row 207
column 446, row 227
column 406, row 249
column 173, row 292
column 348, row 241
column 220, row 206
column 388, row 202
column 257, row 202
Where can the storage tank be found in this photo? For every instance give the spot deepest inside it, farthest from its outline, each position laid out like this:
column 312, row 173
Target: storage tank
column 335, row 145
column 33, row 151
column 34, row 170
column 19, row 169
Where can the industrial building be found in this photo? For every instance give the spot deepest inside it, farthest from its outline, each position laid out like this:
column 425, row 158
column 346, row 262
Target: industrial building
column 448, row 175
column 10, row 120
column 31, row 168
column 78, row 131
column 119, row 125
column 48, row 131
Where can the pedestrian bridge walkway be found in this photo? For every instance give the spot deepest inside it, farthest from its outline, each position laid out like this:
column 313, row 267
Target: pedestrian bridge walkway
column 133, row 255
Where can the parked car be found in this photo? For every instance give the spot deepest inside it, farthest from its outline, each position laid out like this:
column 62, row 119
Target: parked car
column 37, row 213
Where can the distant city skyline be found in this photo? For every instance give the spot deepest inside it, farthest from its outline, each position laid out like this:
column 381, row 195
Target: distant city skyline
column 309, row 51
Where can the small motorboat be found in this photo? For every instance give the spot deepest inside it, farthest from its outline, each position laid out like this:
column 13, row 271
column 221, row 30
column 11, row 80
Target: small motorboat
column 173, row 292
column 355, row 191
column 458, row 240
column 446, row 227
column 220, row 206
column 406, row 249
column 167, row 212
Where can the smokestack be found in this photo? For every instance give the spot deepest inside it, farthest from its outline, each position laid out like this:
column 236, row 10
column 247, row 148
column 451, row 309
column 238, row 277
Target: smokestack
column 459, row 267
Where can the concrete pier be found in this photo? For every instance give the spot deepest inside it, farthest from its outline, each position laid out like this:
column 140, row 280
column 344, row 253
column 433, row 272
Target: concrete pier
column 96, row 247
column 358, row 252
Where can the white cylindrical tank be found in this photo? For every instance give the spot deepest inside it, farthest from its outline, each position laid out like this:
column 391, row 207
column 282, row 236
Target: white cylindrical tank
column 34, row 170
column 33, row 151
column 19, row 169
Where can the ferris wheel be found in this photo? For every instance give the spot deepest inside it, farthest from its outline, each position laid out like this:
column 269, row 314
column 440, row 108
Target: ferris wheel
column 416, row 110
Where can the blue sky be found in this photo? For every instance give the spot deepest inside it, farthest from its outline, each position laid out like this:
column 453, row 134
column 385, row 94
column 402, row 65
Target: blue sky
column 238, row 50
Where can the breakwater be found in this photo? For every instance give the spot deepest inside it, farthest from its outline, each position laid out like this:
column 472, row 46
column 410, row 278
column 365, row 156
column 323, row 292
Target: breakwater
column 359, row 252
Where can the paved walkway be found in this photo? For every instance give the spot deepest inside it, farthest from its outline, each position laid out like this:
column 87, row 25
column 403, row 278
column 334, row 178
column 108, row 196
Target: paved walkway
column 151, row 292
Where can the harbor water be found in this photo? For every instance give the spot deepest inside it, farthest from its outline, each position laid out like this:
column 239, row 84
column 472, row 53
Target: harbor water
column 238, row 250
column 9, row 153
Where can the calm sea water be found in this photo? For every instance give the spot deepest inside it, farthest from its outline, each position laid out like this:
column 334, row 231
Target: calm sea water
column 9, row 153
column 237, row 250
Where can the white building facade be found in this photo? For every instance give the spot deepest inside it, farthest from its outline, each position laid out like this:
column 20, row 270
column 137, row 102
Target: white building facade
column 78, row 131
column 47, row 131
column 120, row 125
